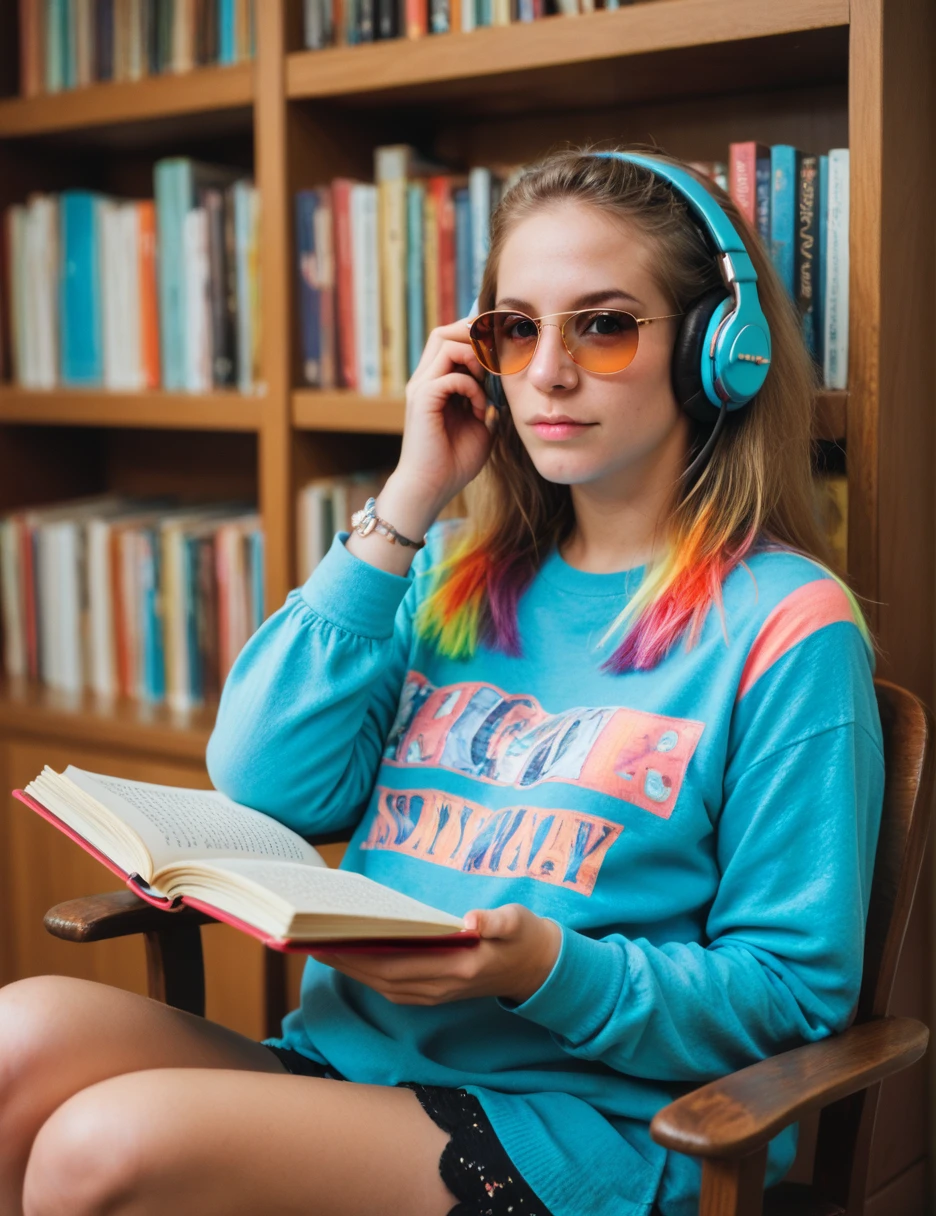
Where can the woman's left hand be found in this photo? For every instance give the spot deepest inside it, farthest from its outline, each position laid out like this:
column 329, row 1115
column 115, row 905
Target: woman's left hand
column 513, row 959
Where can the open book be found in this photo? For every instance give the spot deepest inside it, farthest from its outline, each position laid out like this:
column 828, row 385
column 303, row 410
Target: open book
column 177, row 846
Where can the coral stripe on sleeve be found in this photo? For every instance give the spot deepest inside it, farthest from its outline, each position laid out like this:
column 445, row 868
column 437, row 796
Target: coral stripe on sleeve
column 803, row 612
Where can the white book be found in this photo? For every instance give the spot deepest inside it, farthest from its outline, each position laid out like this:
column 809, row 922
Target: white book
column 103, row 667
column 316, row 527
column 468, row 16
column 12, row 601
column 202, row 848
column 197, row 301
column 110, row 254
column 32, row 296
column 480, row 202
column 836, row 301
column 365, row 261
column 47, row 606
column 243, row 224
column 44, row 224
column 16, row 230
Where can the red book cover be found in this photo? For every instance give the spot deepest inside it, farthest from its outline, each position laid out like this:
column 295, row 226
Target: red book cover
column 442, row 189
column 149, row 302
column 344, row 282
column 417, row 18
column 32, row 77
column 742, row 177
column 137, row 884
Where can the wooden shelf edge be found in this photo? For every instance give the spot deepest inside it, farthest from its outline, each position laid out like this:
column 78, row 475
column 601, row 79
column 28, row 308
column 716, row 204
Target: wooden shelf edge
column 115, row 102
column 343, row 410
column 30, row 709
column 643, row 28
column 219, row 411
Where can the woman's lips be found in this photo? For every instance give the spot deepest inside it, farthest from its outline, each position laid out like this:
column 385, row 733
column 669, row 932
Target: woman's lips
column 560, row 428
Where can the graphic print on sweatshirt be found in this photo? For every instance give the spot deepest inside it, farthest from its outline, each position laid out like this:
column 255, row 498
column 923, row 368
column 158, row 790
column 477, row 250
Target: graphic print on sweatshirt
column 508, row 739
column 563, row 848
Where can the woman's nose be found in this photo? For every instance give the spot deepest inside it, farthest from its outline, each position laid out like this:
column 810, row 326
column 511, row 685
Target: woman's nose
column 552, row 367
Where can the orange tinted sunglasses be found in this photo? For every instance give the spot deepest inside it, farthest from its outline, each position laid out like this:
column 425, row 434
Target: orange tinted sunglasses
column 601, row 340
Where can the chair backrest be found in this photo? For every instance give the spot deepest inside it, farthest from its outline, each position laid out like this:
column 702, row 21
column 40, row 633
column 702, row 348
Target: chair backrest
column 908, row 804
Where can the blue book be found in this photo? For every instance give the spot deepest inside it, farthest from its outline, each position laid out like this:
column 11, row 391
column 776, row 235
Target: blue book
column 81, row 354
column 463, row 267
column 822, row 278
column 762, row 192
column 226, row 48
column 151, row 631
column 256, row 576
column 484, row 12
column 785, row 171
column 171, row 285
column 415, row 279
column 310, row 322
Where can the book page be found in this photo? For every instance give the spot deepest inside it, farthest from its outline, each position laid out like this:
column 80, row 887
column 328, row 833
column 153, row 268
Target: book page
column 181, row 824
column 345, row 903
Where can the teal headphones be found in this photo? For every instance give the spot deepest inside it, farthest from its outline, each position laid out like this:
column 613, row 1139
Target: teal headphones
column 722, row 352
column 721, row 355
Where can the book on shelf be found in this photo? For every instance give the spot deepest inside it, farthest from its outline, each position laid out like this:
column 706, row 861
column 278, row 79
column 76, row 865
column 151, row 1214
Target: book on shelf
column 148, row 599
column 67, row 44
column 179, row 847
column 131, row 294
column 784, row 193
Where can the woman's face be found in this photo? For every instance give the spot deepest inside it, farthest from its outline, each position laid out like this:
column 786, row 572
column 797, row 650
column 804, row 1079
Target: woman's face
column 609, row 432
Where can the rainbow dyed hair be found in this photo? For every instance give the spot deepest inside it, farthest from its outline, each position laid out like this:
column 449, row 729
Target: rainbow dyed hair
column 756, row 489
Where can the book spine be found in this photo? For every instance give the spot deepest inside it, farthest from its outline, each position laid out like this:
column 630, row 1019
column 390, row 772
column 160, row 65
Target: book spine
column 785, row 175
column 80, row 300
column 325, row 265
column 344, row 281
column 309, row 320
column 468, row 15
column 479, row 189
column 226, row 31
column 417, row 18
column 366, row 282
column 763, row 192
column 445, row 223
column 104, row 39
column 198, row 307
column 805, row 270
column 30, row 556
column 431, row 266
column 167, row 278
column 148, row 294
column 463, row 251
column 242, row 223
column 836, row 318
column 415, row 281
column 387, row 19
column 13, row 601
column 392, row 198
column 742, row 175
column 194, row 691
column 223, row 368
column 823, row 259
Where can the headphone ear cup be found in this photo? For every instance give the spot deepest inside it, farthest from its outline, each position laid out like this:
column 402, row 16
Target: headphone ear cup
column 688, row 353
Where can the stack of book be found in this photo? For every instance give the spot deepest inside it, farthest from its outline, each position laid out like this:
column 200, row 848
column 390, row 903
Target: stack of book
column 347, row 22
column 132, row 598
column 65, row 44
column 380, row 265
column 798, row 203
column 126, row 294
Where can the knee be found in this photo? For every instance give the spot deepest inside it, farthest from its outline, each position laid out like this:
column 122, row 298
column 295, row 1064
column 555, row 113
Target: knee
column 27, row 1012
column 87, row 1159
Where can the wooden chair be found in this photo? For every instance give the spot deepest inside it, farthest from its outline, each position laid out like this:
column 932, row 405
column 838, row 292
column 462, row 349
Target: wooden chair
column 727, row 1122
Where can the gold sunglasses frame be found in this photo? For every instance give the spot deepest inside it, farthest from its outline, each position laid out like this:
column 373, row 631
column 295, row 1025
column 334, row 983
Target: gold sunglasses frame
column 575, row 312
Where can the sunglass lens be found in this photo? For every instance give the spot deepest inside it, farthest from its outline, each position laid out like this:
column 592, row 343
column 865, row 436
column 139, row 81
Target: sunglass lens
column 602, row 340
column 503, row 341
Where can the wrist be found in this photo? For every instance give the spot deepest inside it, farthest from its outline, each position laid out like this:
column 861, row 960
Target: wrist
column 410, row 512
column 545, row 960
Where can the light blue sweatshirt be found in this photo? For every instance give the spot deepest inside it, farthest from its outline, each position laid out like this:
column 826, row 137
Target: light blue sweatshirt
column 703, row 833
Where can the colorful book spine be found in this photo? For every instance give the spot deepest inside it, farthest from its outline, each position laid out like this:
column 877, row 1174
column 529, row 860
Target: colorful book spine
column 80, row 300
column 823, row 260
column 366, row 287
column 836, row 312
column 306, row 203
column 415, row 279
column 806, row 271
column 784, row 163
column 742, row 177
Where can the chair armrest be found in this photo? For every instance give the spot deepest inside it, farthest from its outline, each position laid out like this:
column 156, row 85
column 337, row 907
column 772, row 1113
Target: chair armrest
column 738, row 1114
column 115, row 914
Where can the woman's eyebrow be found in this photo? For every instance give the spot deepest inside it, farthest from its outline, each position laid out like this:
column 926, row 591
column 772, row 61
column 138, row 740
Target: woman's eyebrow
column 587, row 301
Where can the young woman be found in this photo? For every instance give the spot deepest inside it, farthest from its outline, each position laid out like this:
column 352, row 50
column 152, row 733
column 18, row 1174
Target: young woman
column 623, row 722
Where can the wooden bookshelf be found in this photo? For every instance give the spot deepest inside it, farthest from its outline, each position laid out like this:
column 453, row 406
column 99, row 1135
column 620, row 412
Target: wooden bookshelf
column 693, row 75
column 119, row 102
column 219, row 411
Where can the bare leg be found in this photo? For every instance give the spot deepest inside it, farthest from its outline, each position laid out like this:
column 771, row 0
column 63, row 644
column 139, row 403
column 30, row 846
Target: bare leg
column 198, row 1143
column 60, row 1035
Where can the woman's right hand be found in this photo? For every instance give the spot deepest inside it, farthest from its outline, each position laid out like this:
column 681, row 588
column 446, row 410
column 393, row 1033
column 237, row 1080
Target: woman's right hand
column 445, row 438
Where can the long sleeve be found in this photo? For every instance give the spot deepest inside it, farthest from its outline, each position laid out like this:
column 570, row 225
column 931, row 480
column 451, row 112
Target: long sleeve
column 795, row 842
column 310, row 699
